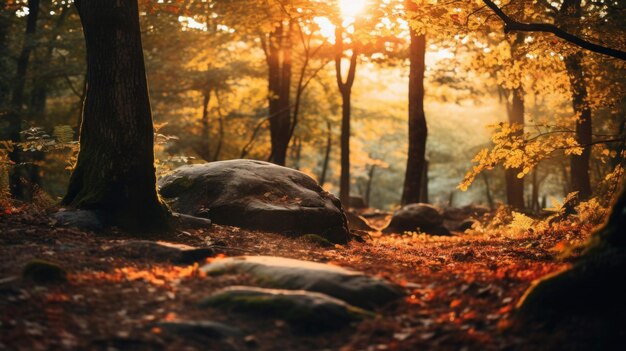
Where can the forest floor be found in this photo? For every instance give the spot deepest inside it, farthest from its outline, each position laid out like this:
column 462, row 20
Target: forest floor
column 462, row 291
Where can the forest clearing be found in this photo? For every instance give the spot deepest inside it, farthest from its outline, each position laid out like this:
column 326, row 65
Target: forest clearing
column 312, row 175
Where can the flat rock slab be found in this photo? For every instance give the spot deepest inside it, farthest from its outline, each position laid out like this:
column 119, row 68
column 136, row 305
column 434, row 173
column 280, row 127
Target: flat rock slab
column 304, row 309
column 256, row 195
column 205, row 328
column 412, row 217
column 348, row 285
column 160, row 251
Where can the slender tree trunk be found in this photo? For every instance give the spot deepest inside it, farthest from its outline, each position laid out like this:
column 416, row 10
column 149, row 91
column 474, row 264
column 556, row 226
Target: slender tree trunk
column 19, row 174
column 368, row 187
column 534, row 199
column 115, row 171
column 5, row 79
column 279, row 64
column 344, row 181
column 345, row 88
column 297, row 152
column 220, row 128
column 205, row 130
column 488, row 195
column 515, row 185
column 418, row 130
column 329, row 145
column 579, row 164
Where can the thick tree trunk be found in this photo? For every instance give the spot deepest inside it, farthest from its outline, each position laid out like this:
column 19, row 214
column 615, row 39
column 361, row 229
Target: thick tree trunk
column 424, row 192
column 418, row 130
column 593, row 286
column 515, row 185
column 115, row 171
column 579, row 164
column 20, row 174
column 279, row 68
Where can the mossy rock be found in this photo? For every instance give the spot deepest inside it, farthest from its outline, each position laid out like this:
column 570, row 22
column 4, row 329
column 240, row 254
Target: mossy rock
column 44, row 272
column 354, row 287
column 302, row 309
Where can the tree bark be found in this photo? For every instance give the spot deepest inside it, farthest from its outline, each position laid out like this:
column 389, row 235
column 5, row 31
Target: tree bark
column 115, row 171
column 205, row 130
column 597, row 278
column 279, row 86
column 345, row 88
column 515, row 185
column 19, row 173
column 368, row 186
column 488, row 195
column 579, row 164
column 418, row 129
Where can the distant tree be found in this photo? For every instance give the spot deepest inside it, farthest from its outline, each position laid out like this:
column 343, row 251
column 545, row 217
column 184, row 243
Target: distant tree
column 345, row 88
column 415, row 176
column 115, row 171
column 20, row 174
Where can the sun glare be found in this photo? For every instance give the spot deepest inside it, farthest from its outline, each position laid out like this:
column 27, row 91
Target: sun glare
column 351, row 8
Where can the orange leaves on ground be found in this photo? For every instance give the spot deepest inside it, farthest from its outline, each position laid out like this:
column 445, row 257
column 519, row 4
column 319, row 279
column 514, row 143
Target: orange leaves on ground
column 455, row 303
column 217, row 257
column 159, row 276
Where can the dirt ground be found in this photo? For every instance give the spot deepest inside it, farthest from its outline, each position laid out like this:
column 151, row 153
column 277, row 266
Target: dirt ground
column 461, row 292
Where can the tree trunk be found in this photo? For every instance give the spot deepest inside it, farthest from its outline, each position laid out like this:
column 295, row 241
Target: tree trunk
column 597, row 278
column 534, row 199
column 205, row 130
column 345, row 88
column 515, row 185
column 488, row 195
column 418, row 130
column 368, row 187
column 424, row 185
column 344, row 181
column 115, row 171
column 329, row 145
column 279, row 65
column 19, row 173
column 579, row 164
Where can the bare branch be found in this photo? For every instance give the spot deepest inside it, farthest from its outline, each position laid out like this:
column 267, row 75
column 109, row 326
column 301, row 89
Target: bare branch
column 513, row 25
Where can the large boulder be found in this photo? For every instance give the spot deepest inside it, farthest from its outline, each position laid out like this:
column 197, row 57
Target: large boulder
column 425, row 217
column 256, row 195
column 351, row 286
